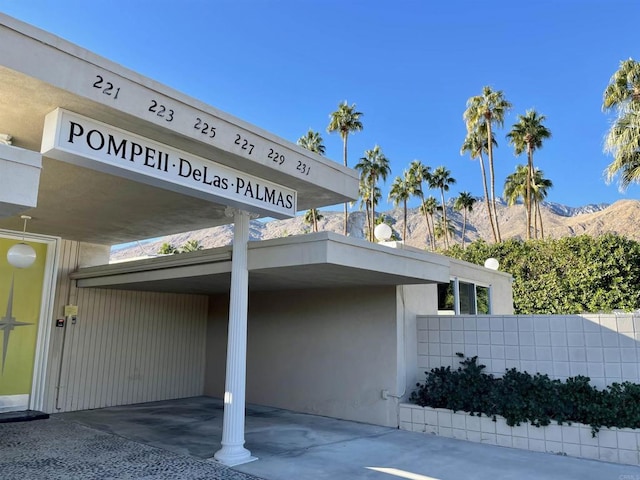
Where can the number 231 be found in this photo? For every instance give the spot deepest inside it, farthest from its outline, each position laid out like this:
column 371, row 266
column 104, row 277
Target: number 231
column 303, row 168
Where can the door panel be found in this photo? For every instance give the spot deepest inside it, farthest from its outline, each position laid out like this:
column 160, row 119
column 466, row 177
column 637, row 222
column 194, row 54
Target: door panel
column 20, row 307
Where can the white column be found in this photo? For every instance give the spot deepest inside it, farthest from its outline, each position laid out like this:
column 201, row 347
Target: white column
column 233, row 451
column 456, row 296
column 490, row 299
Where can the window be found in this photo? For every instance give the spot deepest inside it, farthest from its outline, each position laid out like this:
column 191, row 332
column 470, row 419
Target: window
column 467, row 298
column 482, row 300
column 464, row 298
column 445, row 296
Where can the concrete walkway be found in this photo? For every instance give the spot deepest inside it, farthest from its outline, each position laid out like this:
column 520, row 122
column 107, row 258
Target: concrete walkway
column 295, row 446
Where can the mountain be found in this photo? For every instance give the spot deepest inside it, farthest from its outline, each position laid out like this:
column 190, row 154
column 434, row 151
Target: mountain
column 565, row 211
column 622, row 217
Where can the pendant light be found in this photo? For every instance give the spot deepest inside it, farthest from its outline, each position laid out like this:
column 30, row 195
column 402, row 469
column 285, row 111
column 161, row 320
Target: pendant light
column 22, row 255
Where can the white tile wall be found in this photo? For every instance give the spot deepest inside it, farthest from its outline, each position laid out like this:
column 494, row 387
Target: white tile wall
column 611, row 445
column 604, row 347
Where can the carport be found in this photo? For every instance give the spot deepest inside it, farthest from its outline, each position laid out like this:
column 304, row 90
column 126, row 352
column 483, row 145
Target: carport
column 318, row 303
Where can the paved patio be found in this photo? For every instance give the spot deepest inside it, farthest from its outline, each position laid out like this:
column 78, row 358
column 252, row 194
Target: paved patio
column 59, row 449
column 174, row 439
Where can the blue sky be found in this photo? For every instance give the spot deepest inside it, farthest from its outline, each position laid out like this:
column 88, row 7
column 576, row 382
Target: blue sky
column 410, row 67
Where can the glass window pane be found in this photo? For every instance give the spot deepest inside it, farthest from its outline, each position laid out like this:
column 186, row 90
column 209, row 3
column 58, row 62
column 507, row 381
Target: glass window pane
column 482, row 300
column 445, row 296
column 467, row 299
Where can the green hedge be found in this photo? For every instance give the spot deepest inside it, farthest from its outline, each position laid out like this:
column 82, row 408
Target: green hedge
column 566, row 275
column 522, row 397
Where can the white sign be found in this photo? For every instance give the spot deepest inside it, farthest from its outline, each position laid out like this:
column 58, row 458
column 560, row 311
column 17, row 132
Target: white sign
column 76, row 139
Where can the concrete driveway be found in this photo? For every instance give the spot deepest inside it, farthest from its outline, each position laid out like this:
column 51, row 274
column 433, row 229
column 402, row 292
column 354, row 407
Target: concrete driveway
column 293, row 446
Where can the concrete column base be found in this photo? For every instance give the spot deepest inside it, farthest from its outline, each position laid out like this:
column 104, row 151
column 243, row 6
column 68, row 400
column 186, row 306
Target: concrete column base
column 232, row 455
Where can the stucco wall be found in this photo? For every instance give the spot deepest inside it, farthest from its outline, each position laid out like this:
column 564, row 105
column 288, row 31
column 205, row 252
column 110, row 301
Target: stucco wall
column 412, row 300
column 326, row 352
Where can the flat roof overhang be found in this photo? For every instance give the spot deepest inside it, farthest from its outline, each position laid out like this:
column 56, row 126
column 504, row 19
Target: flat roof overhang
column 40, row 72
column 320, row 260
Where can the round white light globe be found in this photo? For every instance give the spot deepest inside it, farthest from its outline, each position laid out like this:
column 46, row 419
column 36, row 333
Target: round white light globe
column 382, row 232
column 21, row 255
column 491, row 263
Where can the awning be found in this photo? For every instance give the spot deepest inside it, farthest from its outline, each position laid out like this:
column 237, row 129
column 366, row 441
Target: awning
column 320, row 260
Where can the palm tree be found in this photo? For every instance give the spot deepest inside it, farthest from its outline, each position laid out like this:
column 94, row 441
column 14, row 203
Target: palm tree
column 515, row 188
column 444, row 229
column 464, row 202
column 623, row 138
column 441, row 179
column 623, row 90
column 345, row 120
column 368, row 199
column 365, row 201
column 528, row 134
column 428, row 209
column 540, row 186
column 373, row 167
column 312, row 141
column 623, row 142
column 422, row 173
column 476, row 143
column 312, row 216
column 483, row 111
column 402, row 189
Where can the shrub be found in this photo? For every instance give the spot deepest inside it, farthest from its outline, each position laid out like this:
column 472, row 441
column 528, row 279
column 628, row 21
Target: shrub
column 522, row 397
column 468, row 388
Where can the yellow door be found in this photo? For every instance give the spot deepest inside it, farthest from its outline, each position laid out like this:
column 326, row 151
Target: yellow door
column 20, row 304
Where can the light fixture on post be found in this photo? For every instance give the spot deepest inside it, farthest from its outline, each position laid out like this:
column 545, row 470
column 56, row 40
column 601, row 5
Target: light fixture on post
column 22, row 255
column 383, row 232
column 492, row 263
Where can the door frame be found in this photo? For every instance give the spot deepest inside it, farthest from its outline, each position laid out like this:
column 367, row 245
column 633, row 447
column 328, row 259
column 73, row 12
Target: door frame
column 45, row 324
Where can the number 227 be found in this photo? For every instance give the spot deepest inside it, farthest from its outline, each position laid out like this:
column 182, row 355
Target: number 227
column 244, row 143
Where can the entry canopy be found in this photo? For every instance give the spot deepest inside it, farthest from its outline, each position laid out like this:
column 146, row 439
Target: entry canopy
column 177, row 148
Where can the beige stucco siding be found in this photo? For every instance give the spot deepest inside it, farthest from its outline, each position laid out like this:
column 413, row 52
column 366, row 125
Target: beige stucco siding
column 327, row 351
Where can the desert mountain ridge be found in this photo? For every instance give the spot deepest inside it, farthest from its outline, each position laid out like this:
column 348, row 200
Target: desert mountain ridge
column 621, row 217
